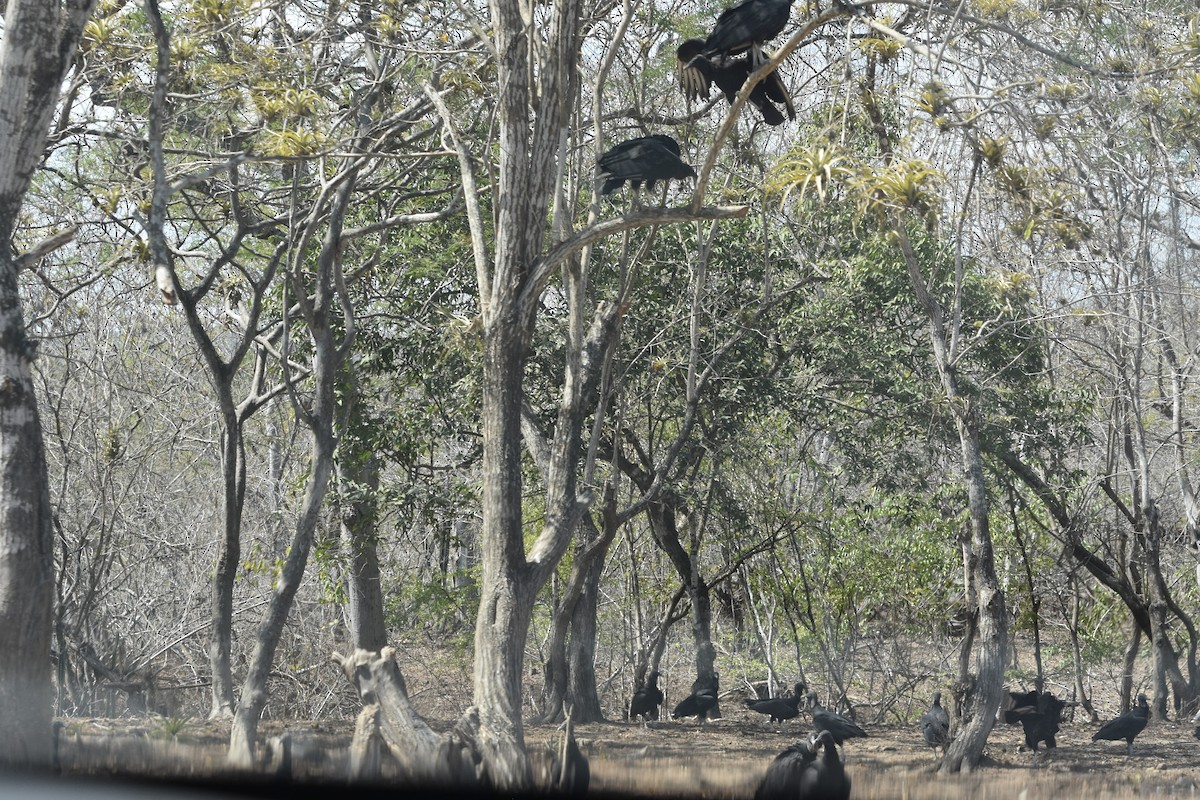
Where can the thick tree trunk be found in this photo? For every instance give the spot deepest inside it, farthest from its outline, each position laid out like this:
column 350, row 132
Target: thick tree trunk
column 582, row 696
column 556, row 669
column 502, row 624
column 26, row 545
column 500, row 633
column 359, row 475
column 39, row 41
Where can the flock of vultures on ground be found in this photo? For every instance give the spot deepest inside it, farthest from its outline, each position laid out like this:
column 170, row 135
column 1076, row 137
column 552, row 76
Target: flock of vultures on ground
column 726, row 59
column 812, row 768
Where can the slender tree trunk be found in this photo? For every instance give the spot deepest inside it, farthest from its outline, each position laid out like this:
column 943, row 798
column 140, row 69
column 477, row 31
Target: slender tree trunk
column 1081, row 695
column 1035, row 603
column 983, row 700
column 706, row 652
column 328, row 352
column 1166, row 662
column 661, row 514
column 570, row 677
column 243, row 735
column 1128, row 665
column 220, row 648
column 984, row 694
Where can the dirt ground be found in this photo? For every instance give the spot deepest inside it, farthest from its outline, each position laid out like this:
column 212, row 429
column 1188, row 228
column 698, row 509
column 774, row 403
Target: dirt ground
column 728, row 758
column 722, row 759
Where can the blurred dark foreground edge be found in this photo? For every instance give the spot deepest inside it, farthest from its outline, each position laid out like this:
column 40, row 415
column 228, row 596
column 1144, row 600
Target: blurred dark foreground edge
column 121, row 787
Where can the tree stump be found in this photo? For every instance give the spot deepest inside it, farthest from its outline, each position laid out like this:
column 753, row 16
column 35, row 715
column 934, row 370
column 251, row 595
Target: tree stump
column 388, row 720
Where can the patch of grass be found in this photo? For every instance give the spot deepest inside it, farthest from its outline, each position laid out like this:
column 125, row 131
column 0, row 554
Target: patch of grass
column 172, row 728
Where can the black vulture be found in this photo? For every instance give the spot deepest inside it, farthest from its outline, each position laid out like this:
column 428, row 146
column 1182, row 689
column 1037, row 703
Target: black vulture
column 779, row 708
column 645, row 158
column 1128, row 725
column 746, row 26
column 798, row 773
column 1039, row 714
column 647, row 699
column 782, row 780
column 935, row 724
column 825, row 779
column 702, row 700
column 698, row 72
column 840, row 727
column 1016, row 705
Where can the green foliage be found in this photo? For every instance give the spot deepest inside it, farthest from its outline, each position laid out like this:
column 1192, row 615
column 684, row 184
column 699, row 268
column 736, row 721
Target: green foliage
column 443, row 605
column 171, row 727
column 816, row 167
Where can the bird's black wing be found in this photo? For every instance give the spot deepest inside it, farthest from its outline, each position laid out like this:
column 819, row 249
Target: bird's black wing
column 776, row 708
column 776, row 91
column 644, row 158
column 840, row 727
column 784, row 774
column 746, row 24
column 1019, row 704
column 826, row 778
column 935, row 726
column 1127, row 726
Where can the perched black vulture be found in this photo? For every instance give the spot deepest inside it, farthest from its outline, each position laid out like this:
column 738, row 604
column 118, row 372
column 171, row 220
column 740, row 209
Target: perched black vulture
column 1128, row 725
column 702, row 700
column 698, row 72
column 782, row 780
column 1039, row 714
column 779, row 708
column 826, row 778
column 825, row 720
column 645, row 158
column 746, row 26
column 647, row 699
column 935, row 724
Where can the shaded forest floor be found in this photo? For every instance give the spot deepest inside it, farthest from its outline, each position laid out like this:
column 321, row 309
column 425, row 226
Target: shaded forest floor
column 724, row 759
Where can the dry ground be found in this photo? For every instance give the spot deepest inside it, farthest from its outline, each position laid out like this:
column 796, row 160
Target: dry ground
column 724, row 759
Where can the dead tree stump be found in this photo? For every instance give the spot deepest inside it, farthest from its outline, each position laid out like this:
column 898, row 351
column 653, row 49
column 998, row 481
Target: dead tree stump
column 388, row 720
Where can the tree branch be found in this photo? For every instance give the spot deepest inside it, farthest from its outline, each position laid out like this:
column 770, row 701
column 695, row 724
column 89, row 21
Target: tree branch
column 544, row 267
